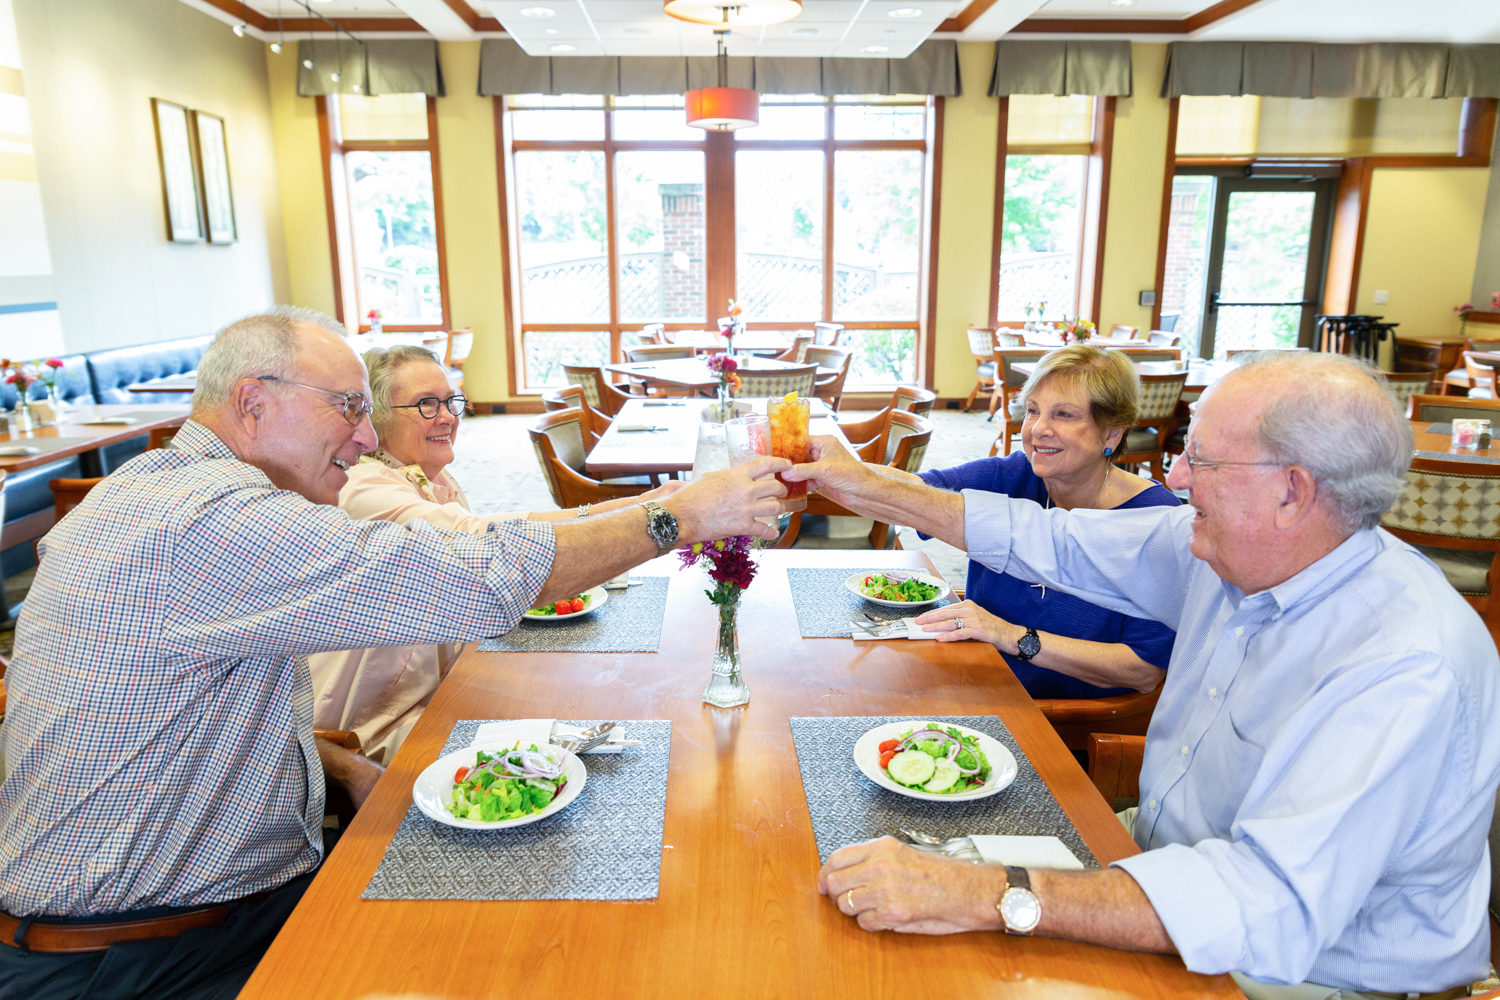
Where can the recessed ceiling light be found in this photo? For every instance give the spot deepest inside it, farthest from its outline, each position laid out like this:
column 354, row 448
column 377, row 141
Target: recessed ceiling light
column 805, row 32
column 563, row 47
column 1121, row 3
column 537, row 12
column 634, row 31
column 550, row 31
column 904, row 12
column 874, row 49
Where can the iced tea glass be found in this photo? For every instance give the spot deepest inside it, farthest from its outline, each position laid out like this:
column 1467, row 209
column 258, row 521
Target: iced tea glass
column 789, row 431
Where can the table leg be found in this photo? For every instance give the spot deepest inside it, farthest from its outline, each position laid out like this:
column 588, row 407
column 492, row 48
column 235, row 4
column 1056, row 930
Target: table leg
column 91, row 463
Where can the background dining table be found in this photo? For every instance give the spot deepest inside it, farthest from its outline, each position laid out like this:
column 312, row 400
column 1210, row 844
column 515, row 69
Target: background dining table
column 737, row 911
column 693, row 374
column 1441, row 442
column 74, row 435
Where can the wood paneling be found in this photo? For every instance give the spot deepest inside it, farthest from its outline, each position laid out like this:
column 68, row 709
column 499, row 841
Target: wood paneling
column 1164, row 229
column 934, row 214
column 1101, row 156
column 997, row 237
column 1104, row 25
column 508, row 275
column 1346, row 242
column 1476, row 127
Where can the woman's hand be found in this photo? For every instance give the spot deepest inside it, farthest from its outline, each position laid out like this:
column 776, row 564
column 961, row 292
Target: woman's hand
column 977, row 624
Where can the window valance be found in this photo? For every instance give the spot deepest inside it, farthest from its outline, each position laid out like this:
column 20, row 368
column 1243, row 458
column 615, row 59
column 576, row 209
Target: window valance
column 1061, row 69
column 1308, row 69
column 505, row 68
column 404, row 66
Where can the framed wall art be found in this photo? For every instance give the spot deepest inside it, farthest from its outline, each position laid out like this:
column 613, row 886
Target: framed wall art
column 179, row 171
column 213, row 164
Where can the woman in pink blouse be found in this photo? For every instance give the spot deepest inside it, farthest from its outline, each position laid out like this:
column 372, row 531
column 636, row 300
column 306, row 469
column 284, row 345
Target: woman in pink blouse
column 380, row 692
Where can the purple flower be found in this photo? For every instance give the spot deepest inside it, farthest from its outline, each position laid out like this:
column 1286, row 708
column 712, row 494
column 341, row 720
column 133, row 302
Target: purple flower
column 722, row 364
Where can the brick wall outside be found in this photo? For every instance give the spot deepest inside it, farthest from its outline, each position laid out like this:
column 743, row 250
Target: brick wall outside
column 682, row 231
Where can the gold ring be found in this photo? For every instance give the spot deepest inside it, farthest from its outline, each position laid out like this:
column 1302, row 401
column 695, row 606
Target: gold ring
column 850, row 896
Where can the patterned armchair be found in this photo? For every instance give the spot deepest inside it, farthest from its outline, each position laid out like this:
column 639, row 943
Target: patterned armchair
column 1447, row 408
column 1156, row 419
column 558, row 439
column 778, row 383
column 1451, row 511
column 982, row 347
column 597, row 389
column 1012, row 382
column 1408, row 384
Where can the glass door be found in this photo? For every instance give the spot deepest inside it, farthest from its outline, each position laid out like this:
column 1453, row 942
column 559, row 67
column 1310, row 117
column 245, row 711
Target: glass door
column 1265, row 264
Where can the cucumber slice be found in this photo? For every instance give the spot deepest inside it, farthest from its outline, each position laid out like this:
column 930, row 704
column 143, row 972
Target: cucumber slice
column 945, row 775
column 911, row 767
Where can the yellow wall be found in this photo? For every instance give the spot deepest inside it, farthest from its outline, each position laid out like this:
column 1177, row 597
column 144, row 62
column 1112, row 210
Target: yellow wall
column 91, row 71
column 1421, row 245
column 298, row 158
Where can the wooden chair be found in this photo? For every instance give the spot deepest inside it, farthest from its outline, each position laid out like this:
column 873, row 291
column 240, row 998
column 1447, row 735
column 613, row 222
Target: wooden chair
column 1009, row 338
column 162, row 437
column 658, row 352
column 1139, row 354
column 1442, row 409
column 66, row 494
column 1408, row 384
column 797, row 350
column 829, row 388
column 1122, row 331
column 1480, row 374
column 982, row 348
column 874, row 430
column 1451, row 511
column 602, row 394
column 1010, row 384
column 778, row 383
column 1076, row 719
column 558, row 438
column 570, row 397
column 460, row 343
column 653, row 333
column 1155, row 422
column 827, row 334
column 1115, row 765
column 1161, row 338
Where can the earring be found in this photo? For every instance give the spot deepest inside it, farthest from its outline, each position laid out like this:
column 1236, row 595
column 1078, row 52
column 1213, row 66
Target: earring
column 1108, row 452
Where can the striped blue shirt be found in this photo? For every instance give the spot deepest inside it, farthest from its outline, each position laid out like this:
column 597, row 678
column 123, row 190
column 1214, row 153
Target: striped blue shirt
column 1320, row 772
column 159, row 727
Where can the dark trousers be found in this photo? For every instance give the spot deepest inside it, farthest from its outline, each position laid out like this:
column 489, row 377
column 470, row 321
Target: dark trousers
column 206, row 963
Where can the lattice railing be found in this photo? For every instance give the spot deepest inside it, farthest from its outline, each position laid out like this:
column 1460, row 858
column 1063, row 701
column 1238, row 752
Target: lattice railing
column 1254, row 328
column 1032, row 278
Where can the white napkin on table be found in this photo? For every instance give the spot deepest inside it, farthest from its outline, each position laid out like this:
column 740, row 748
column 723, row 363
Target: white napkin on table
column 13, row 450
column 913, row 631
column 540, row 731
column 1025, row 852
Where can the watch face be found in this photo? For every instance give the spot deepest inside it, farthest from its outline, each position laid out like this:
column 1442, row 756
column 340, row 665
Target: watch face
column 1029, row 645
column 1021, row 910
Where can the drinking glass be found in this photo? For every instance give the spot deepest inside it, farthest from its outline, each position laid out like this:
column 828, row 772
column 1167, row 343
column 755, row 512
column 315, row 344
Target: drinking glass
column 749, row 438
column 713, row 453
column 789, row 430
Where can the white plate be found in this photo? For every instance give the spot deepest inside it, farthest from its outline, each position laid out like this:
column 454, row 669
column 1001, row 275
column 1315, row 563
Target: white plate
column 858, row 578
column 599, row 595
column 434, row 787
column 867, row 759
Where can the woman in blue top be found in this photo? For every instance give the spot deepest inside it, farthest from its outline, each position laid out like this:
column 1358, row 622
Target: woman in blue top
column 1079, row 404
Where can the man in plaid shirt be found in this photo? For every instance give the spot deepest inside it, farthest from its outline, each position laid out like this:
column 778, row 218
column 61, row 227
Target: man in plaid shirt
column 159, row 738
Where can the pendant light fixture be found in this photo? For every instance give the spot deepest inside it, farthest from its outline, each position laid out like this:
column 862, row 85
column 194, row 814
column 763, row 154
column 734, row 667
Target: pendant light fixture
column 734, row 12
column 723, row 108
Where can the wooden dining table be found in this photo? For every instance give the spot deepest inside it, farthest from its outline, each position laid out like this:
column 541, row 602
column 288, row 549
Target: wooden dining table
column 74, row 435
column 185, row 382
column 672, row 449
column 1442, row 443
column 693, row 374
column 737, row 911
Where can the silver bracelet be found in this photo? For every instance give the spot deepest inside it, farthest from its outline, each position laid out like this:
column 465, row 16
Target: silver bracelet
column 583, row 509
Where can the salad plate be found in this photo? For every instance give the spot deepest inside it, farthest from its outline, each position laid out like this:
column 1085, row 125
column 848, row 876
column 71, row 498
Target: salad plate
column 867, row 759
column 434, row 787
column 856, row 586
column 595, row 596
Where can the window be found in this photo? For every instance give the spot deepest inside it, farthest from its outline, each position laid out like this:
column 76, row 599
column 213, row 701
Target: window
column 616, row 203
column 381, row 180
column 1041, row 238
column 1319, row 126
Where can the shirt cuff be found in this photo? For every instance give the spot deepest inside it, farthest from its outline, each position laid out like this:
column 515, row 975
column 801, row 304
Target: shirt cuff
column 987, row 528
column 1201, row 915
column 521, row 566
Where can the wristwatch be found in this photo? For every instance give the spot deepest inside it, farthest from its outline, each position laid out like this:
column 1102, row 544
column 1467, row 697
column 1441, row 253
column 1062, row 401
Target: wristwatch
column 1028, row 645
column 1019, row 906
column 661, row 526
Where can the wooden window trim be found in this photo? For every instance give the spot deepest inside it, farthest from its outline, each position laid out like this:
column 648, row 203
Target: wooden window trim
column 340, row 223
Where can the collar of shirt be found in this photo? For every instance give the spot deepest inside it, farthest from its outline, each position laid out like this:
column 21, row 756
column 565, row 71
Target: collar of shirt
column 1310, row 584
column 197, row 439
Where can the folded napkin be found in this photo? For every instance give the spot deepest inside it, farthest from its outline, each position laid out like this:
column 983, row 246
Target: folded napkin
column 1025, row 852
column 15, row 450
column 913, row 631
column 627, row 428
column 113, row 421
column 618, row 582
column 540, row 732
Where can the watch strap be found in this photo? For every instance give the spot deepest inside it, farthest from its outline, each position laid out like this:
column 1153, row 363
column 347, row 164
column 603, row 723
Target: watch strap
column 1017, row 878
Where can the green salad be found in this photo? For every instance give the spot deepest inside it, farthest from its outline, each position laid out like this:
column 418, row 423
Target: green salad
column 883, row 587
column 507, row 785
column 942, row 761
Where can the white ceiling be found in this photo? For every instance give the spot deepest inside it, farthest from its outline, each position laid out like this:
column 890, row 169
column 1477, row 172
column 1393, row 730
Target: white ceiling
column 1361, row 21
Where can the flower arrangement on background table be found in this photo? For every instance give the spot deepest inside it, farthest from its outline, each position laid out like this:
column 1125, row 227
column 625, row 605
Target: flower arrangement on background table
column 26, row 374
column 731, row 568
column 732, row 325
column 726, row 367
column 1463, row 317
column 374, row 317
column 1075, row 329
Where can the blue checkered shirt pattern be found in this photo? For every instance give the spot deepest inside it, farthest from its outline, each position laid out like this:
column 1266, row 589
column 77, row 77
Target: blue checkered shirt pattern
column 159, row 735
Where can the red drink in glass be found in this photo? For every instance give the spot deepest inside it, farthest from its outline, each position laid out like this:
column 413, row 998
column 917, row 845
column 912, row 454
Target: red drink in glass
column 789, row 432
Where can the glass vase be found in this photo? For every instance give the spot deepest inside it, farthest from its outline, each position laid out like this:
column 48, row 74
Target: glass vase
column 54, row 398
column 726, row 688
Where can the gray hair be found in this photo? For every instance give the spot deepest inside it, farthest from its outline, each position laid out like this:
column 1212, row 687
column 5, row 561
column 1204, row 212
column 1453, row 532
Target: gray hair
column 263, row 344
column 1337, row 418
column 383, row 365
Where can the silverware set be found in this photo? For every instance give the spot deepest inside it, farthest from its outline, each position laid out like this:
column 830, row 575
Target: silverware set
column 879, row 627
column 960, row 848
column 587, row 739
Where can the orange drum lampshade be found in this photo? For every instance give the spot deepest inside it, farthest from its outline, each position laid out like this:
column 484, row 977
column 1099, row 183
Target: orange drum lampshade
column 723, row 109
column 733, row 12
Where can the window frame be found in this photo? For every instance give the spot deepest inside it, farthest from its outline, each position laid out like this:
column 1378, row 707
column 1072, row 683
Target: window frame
column 336, row 192
column 719, row 149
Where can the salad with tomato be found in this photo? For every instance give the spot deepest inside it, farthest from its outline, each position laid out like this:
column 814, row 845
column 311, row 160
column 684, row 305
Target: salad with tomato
column 941, row 761
column 568, row 606
column 887, row 589
column 507, row 785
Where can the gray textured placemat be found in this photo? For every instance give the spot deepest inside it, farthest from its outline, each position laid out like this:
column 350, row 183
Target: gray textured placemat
column 43, row 444
column 825, row 606
column 605, row 845
column 1453, row 456
column 629, row 622
column 846, row 807
column 1441, row 427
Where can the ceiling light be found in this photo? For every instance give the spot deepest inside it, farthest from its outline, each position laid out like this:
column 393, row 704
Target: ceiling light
column 239, row 30
column 307, row 64
column 537, row 12
column 904, row 12
column 722, row 108
column 874, row 50
column 334, row 76
column 1121, row 3
column 733, row 12
column 356, row 88
column 806, row 32
column 276, row 47
column 563, row 47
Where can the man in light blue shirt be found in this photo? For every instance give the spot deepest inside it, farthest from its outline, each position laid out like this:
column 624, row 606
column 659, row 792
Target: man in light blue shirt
column 1319, row 776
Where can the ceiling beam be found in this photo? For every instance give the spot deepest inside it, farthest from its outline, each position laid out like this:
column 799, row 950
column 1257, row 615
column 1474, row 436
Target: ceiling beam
column 1104, row 26
column 256, row 19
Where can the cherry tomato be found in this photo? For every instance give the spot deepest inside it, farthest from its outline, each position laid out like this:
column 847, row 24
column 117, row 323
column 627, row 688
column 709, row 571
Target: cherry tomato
column 460, row 775
column 885, row 758
column 889, row 745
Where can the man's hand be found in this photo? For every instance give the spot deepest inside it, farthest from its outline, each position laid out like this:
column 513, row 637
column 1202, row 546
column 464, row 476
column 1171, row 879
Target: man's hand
column 834, row 471
column 355, row 772
column 888, row 886
column 727, row 503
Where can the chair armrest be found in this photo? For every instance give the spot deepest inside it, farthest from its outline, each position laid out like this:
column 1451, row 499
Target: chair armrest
column 345, row 738
column 1115, row 765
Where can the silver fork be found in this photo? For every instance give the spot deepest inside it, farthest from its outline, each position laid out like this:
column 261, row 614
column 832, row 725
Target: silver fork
column 587, row 739
column 961, row 848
